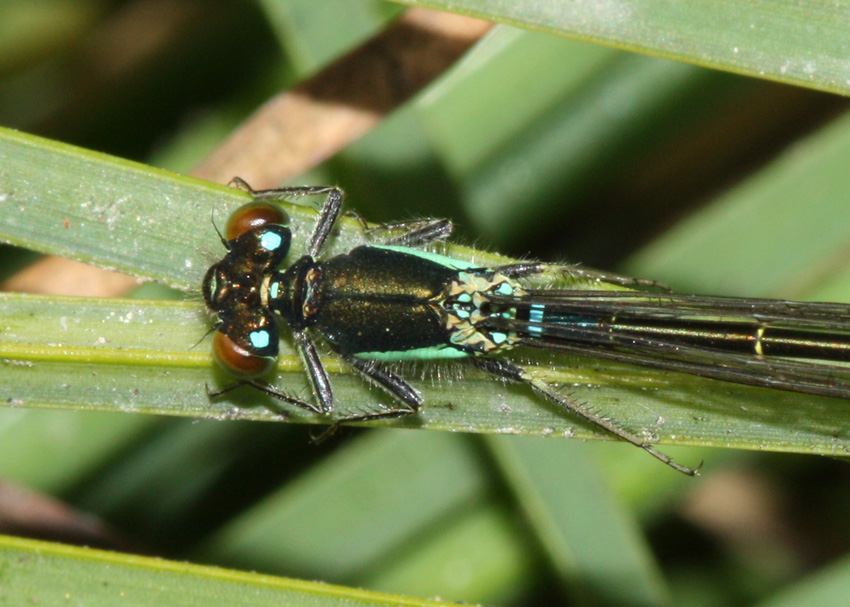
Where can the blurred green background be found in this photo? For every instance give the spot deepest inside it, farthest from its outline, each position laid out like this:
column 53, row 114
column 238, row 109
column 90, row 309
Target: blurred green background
column 535, row 145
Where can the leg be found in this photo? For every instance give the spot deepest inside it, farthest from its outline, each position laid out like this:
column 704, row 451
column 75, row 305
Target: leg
column 508, row 370
column 412, row 233
column 325, row 223
column 295, row 191
column 420, row 232
column 319, row 380
column 327, row 215
column 376, row 374
column 265, row 389
column 521, row 270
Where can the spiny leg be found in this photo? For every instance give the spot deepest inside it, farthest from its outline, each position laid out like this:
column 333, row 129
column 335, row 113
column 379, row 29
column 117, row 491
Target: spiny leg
column 375, row 373
column 316, row 373
column 265, row 389
column 521, row 270
column 422, row 232
column 295, row 191
column 327, row 218
column 510, row 371
column 413, row 233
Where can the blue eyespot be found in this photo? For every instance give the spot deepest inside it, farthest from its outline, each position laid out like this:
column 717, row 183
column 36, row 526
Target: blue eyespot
column 270, row 241
column 259, row 339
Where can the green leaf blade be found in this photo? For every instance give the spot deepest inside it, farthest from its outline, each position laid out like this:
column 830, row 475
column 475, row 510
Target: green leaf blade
column 801, row 43
column 52, row 574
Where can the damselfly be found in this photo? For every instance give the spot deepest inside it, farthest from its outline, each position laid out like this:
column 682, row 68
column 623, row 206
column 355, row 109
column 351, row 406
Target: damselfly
column 394, row 301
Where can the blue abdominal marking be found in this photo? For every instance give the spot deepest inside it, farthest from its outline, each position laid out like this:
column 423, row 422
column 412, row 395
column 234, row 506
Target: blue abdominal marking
column 535, row 317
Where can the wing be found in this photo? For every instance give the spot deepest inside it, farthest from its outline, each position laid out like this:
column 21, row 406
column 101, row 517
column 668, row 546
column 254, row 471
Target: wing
column 794, row 346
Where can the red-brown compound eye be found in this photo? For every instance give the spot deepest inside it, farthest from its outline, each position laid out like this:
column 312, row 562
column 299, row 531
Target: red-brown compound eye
column 237, row 360
column 254, row 215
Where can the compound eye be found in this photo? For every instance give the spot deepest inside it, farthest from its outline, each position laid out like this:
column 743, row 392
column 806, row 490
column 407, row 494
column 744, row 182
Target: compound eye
column 238, row 360
column 254, row 215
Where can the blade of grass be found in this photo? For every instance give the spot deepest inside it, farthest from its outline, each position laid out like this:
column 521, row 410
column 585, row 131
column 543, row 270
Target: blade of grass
column 52, row 574
column 94, row 208
column 138, row 356
column 98, row 209
column 802, row 43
